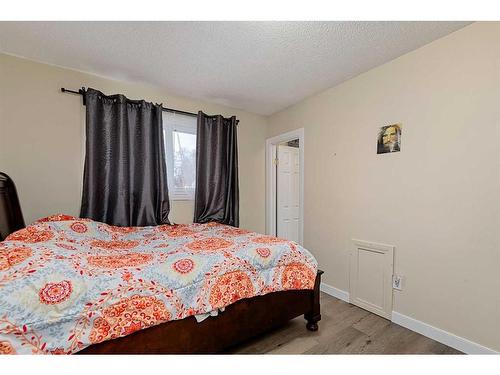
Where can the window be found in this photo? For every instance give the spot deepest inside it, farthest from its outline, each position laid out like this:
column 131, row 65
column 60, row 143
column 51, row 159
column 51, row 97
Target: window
column 180, row 146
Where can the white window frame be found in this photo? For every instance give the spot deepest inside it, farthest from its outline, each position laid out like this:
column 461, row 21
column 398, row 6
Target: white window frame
column 175, row 194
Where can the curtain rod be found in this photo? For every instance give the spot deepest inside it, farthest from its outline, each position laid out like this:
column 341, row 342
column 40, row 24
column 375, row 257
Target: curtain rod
column 82, row 93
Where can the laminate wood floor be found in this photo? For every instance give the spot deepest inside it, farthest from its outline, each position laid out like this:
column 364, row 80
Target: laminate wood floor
column 343, row 329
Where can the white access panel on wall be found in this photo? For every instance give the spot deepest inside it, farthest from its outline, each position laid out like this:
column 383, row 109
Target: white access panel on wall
column 370, row 278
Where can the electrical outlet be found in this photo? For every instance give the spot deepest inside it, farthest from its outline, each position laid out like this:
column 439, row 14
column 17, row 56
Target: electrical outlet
column 397, row 282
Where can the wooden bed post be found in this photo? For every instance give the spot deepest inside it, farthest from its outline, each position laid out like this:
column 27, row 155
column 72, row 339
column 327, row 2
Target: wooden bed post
column 314, row 316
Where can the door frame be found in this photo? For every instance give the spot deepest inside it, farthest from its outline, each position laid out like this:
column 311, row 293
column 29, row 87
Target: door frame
column 271, row 147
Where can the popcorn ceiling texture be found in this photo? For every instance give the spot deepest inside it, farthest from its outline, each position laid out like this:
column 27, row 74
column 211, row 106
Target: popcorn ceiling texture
column 260, row 67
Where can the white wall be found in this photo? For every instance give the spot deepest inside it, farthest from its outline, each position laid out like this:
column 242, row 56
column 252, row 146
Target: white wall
column 437, row 201
column 41, row 139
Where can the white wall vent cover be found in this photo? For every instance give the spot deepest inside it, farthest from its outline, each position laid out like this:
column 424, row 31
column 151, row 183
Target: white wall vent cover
column 370, row 277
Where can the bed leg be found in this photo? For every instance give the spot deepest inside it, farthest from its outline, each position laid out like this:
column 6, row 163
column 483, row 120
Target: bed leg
column 314, row 315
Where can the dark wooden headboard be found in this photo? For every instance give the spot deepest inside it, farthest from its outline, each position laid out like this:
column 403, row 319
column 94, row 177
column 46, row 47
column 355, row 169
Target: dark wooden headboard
column 11, row 216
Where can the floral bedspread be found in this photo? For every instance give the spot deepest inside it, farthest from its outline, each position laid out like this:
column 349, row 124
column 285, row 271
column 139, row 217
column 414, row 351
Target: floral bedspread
column 67, row 283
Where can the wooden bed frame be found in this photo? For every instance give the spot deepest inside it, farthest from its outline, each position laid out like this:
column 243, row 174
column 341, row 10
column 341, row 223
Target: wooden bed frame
column 239, row 322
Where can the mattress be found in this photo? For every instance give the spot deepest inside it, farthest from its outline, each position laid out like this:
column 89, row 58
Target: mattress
column 67, row 283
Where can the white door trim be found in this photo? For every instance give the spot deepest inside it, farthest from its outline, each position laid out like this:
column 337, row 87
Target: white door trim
column 271, row 146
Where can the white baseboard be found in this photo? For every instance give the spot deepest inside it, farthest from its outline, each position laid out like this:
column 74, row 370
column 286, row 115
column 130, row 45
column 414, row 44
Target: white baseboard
column 444, row 337
column 334, row 292
column 437, row 334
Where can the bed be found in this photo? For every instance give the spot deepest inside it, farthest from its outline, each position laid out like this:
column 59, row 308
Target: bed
column 71, row 285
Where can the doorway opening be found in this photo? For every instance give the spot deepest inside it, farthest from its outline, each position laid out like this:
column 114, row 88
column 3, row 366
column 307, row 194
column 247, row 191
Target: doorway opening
column 285, row 185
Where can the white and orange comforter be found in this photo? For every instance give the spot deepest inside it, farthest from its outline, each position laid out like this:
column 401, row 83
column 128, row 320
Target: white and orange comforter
column 67, row 283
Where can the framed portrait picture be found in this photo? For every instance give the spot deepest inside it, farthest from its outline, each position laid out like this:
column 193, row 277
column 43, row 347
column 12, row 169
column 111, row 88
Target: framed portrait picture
column 389, row 139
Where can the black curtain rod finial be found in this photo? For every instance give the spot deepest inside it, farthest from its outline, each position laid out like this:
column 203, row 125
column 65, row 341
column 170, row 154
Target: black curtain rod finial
column 82, row 92
column 79, row 92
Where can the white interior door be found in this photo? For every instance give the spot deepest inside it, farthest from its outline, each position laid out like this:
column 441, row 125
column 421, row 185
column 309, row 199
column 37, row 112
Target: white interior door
column 288, row 193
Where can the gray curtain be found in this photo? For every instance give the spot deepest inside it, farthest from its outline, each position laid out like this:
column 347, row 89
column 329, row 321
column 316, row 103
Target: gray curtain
column 217, row 192
column 125, row 177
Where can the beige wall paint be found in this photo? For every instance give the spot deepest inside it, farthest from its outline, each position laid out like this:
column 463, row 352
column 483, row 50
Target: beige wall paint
column 437, row 201
column 41, row 139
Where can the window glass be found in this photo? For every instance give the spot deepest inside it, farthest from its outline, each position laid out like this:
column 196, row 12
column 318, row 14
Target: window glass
column 184, row 160
column 180, row 148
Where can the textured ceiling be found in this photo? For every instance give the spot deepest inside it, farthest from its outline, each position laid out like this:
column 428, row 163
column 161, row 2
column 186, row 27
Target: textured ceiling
column 260, row 67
